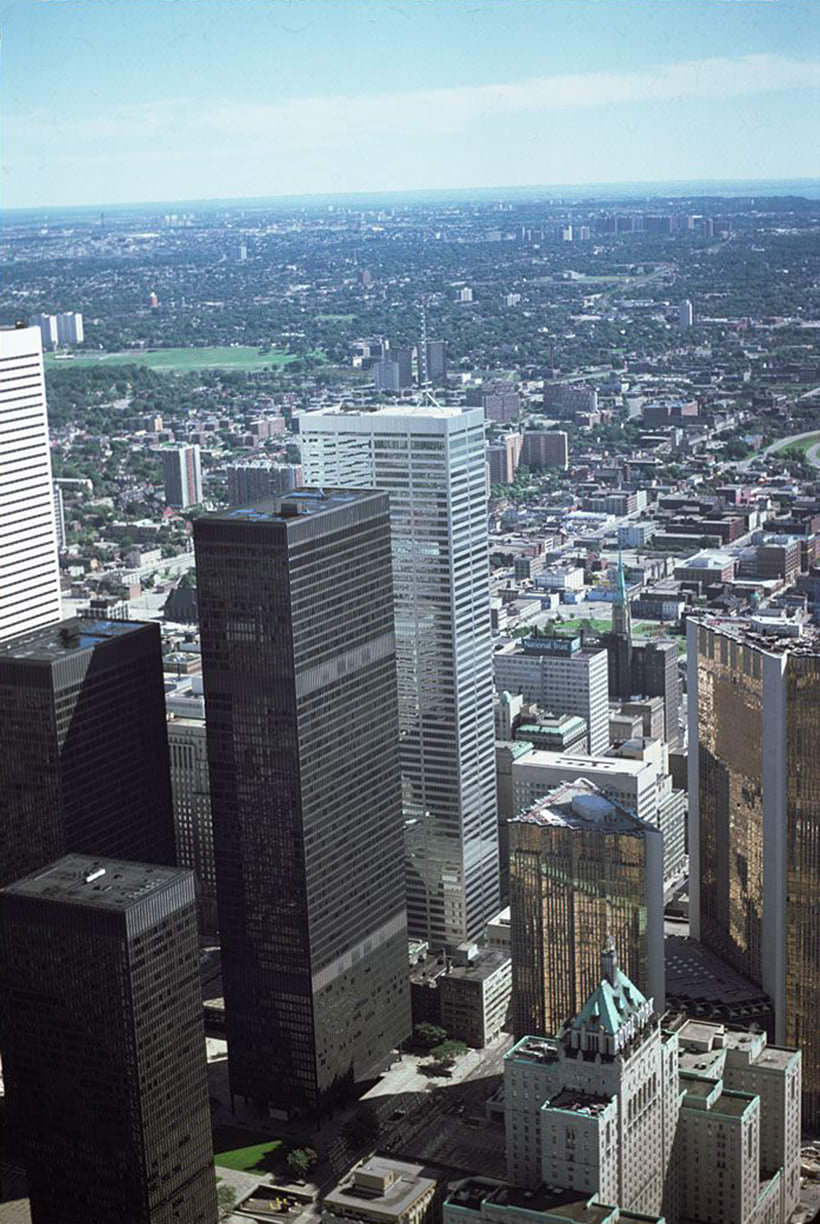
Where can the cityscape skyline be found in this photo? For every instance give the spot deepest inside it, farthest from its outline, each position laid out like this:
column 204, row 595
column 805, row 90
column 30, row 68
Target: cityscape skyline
column 542, row 93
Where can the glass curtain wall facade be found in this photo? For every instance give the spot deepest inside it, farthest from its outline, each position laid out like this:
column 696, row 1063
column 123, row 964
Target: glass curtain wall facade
column 83, row 746
column 298, row 655
column 574, row 883
column 431, row 461
column 754, row 818
column 104, row 1045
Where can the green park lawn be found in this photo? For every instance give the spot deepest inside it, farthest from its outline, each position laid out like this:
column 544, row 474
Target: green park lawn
column 804, row 445
column 232, row 1151
column 179, row 360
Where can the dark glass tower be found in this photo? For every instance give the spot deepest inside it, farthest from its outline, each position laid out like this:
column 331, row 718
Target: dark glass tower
column 103, row 1043
column 83, row 746
column 298, row 656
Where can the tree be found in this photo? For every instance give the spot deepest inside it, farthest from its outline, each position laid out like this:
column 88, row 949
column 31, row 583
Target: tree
column 429, row 1035
column 226, row 1201
column 300, row 1160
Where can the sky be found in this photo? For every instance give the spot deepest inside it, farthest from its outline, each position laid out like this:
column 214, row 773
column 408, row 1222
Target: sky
column 120, row 101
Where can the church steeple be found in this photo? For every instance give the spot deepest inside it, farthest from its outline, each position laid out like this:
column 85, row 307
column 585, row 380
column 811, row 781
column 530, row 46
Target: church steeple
column 621, row 611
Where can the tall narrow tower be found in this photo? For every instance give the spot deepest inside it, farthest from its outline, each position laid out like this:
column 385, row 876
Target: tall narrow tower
column 29, row 568
column 103, row 1044
column 754, row 816
column 620, row 642
column 431, row 461
column 299, row 667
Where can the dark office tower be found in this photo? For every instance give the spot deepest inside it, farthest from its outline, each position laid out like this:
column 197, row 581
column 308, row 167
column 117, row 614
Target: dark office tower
column 298, row 655
column 103, row 1044
column 655, row 674
column 83, row 746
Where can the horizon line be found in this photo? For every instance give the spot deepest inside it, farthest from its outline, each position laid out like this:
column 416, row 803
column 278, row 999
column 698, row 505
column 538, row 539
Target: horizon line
column 633, row 185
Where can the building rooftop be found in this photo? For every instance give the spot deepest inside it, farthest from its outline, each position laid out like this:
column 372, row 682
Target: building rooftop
column 569, row 1205
column 393, row 1186
column 403, row 409
column 535, row 1050
column 582, row 805
column 102, row 884
column 581, row 762
column 572, row 1101
column 488, row 962
column 770, row 635
column 291, row 507
column 65, row 638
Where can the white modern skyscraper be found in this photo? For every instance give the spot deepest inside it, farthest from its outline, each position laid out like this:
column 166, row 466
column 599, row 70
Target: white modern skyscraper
column 431, row 461
column 29, row 570
column 182, row 476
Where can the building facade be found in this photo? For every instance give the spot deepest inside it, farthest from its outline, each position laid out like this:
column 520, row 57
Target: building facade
column 431, row 461
column 182, row 476
column 257, row 478
column 298, row 660
column 29, row 569
column 83, row 746
column 193, row 823
column 687, row 1118
column 582, row 869
column 103, row 1043
column 754, row 817
column 561, row 675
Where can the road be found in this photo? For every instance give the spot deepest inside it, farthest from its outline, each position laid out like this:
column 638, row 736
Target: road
column 813, row 455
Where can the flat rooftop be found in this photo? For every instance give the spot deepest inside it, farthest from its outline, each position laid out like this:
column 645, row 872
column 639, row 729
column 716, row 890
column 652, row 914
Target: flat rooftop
column 569, row 1205
column 768, row 641
column 581, row 805
column 582, row 761
column 695, row 973
column 65, row 638
column 96, row 883
column 408, row 409
column 571, row 1101
column 488, row 962
column 408, row 1182
column 534, row 1049
column 291, row 507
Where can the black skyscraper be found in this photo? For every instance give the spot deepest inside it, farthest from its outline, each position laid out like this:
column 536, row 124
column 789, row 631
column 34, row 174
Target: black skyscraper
column 298, row 654
column 83, row 746
column 103, row 1044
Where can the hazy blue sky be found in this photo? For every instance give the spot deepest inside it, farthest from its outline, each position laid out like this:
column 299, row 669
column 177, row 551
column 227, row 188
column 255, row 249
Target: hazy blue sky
column 127, row 100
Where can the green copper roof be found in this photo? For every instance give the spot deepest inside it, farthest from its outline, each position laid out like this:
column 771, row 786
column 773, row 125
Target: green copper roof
column 613, row 1001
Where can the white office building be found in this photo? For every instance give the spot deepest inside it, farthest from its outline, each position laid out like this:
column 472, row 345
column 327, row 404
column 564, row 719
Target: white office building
column 560, row 675
column 29, row 570
column 431, row 461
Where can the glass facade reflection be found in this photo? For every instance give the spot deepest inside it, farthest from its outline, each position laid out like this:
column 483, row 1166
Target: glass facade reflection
column 431, row 461
column 299, row 670
column 576, row 879
column 754, row 696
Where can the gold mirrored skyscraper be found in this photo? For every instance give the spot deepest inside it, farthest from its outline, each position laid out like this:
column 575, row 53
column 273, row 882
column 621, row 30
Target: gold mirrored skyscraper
column 582, row 870
column 754, row 815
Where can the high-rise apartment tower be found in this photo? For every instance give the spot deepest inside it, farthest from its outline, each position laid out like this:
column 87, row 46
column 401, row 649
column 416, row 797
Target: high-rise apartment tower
column 182, row 476
column 103, row 1043
column 299, row 666
column 431, row 461
column 29, row 569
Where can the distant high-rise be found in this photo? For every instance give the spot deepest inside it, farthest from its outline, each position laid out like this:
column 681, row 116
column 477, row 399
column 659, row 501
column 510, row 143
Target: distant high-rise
column 47, row 323
column 436, row 361
column 193, row 823
column 83, row 746
column 431, row 461
column 29, row 569
column 395, row 370
column 686, row 315
column 299, row 667
column 103, row 1043
column 70, row 327
column 754, row 816
column 259, row 478
column 182, row 476
column 582, row 869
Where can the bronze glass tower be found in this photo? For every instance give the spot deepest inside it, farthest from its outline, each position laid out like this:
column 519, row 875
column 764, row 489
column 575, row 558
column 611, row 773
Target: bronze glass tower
column 298, row 653
column 582, row 869
column 83, row 746
column 754, row 816
column 103, row 1043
